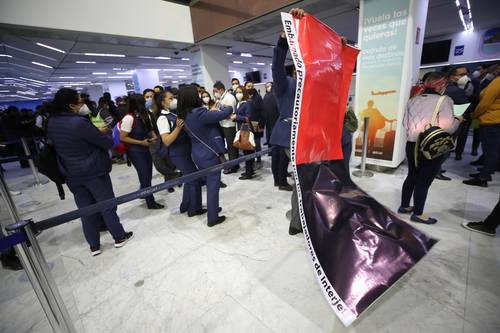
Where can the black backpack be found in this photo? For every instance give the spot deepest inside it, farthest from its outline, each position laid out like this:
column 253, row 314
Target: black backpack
column 434, row 141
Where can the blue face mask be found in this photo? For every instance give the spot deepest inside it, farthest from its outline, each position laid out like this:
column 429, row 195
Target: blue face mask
column 149, row 103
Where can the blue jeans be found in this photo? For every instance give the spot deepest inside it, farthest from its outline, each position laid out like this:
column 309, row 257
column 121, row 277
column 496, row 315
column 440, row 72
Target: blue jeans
column 490, row 140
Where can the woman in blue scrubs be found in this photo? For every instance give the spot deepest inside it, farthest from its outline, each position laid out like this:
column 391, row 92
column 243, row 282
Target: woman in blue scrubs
column 207, row 144
column 176, row 142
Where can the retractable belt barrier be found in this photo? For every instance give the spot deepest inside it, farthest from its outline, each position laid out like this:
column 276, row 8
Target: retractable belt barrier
column 11, row 240
column 9, row 142
column 103, row 205
column 10, row 159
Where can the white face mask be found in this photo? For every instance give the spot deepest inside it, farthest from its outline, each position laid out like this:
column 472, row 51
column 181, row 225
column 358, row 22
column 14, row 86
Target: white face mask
column 84, row 110
column 206, row 100
column 462, row 82
column 173, row 104
column 239, row 96
column 476, row 74
column 235, row 86
column 217, row 94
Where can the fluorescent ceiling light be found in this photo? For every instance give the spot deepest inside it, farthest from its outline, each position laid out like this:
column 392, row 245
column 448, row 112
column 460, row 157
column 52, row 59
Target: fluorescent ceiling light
column 66, row 77
column 42, row 65
column 246, row 55
column 105, row 55
column 168, row 77
column 182, row 77
column 37, row 81
column 117, row 77
column 85, row 62
column 50, row 47
column 120, row 69
column 175, row 81
column 258, row 63
column 185, row 59
column 125, row 73
column 6, row 55
column 229, row 53
column 173, row 70
column 162, row 58
column 99, row 73
column 29, row 52
column 237, row 62
column 4, row 91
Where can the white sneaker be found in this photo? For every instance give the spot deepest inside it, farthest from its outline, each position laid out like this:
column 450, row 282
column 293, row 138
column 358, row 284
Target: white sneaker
column 15, row 193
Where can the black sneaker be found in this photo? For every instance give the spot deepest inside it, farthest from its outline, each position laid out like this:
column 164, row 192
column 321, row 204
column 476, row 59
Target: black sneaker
column 95, row 250
column 286, row 187
column 440, row 176
column 156, row 206
column 219, row 220
column 476, row 182
column 222, row 185
column 479, row 227
column 128, row 236
column 293, row 231
column 245, row 177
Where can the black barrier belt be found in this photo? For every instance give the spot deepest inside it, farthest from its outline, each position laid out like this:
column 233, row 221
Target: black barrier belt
column 111, row 203
column 9, row 241
column 4, row 160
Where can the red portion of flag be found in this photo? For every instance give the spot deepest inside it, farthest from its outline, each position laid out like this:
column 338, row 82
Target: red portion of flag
column 328, row 72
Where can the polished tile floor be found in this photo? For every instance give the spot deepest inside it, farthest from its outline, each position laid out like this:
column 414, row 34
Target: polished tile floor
column 248, row 274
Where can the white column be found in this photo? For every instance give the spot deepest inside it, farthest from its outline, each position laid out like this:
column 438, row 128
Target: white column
column 208, row 65
column 145, row 78
column 390, row 36
column 117, row 88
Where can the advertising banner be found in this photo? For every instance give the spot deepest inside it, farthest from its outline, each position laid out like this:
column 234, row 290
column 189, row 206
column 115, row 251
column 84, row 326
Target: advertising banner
column 358, row 248
column 384, row 75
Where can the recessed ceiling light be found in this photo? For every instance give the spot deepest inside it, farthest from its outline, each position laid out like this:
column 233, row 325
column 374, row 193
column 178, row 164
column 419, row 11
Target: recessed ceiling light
column 85, row 62
column 50, row 47
column 246, row 55
column 229, row 53
column 237, row 62
column 105, row 55
column 6, row 55
column 99, row 73
column 42, row 65
column 185, row 59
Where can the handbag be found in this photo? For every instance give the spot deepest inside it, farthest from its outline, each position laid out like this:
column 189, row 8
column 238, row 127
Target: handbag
column 434, row 142
column 244, row 138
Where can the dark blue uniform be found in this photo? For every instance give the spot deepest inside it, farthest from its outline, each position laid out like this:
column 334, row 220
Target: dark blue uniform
column 284, row 91
column 180, row 154
column 243, row 116
column 206, row 146
column 140, row 157
column 84, row 161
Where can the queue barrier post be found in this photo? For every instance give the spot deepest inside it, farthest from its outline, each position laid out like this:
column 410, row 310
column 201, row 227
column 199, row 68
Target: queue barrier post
column 363, row 172
column 41, row 279
column 27, row 152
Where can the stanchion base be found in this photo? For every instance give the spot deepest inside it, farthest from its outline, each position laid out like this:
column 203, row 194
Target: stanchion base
column 359, row 173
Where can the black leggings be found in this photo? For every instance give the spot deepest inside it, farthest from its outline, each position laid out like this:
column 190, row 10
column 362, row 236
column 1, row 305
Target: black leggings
column 419, row 179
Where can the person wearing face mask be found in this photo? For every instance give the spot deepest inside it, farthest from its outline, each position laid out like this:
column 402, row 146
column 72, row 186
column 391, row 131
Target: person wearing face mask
column 257, row 121
column 161, row 160
column 207, row 144
column 225, row 98
column 243, row 118
column 207, row 100
column 83, row 160
column 488, row 114
column 137, row 132
column 489, row 75
column 178, row 145
column 235, row 83
column 148, row 97
column 418, row 115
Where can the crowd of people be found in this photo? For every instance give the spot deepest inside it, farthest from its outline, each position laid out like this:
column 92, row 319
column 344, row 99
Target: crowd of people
column 181, row 131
